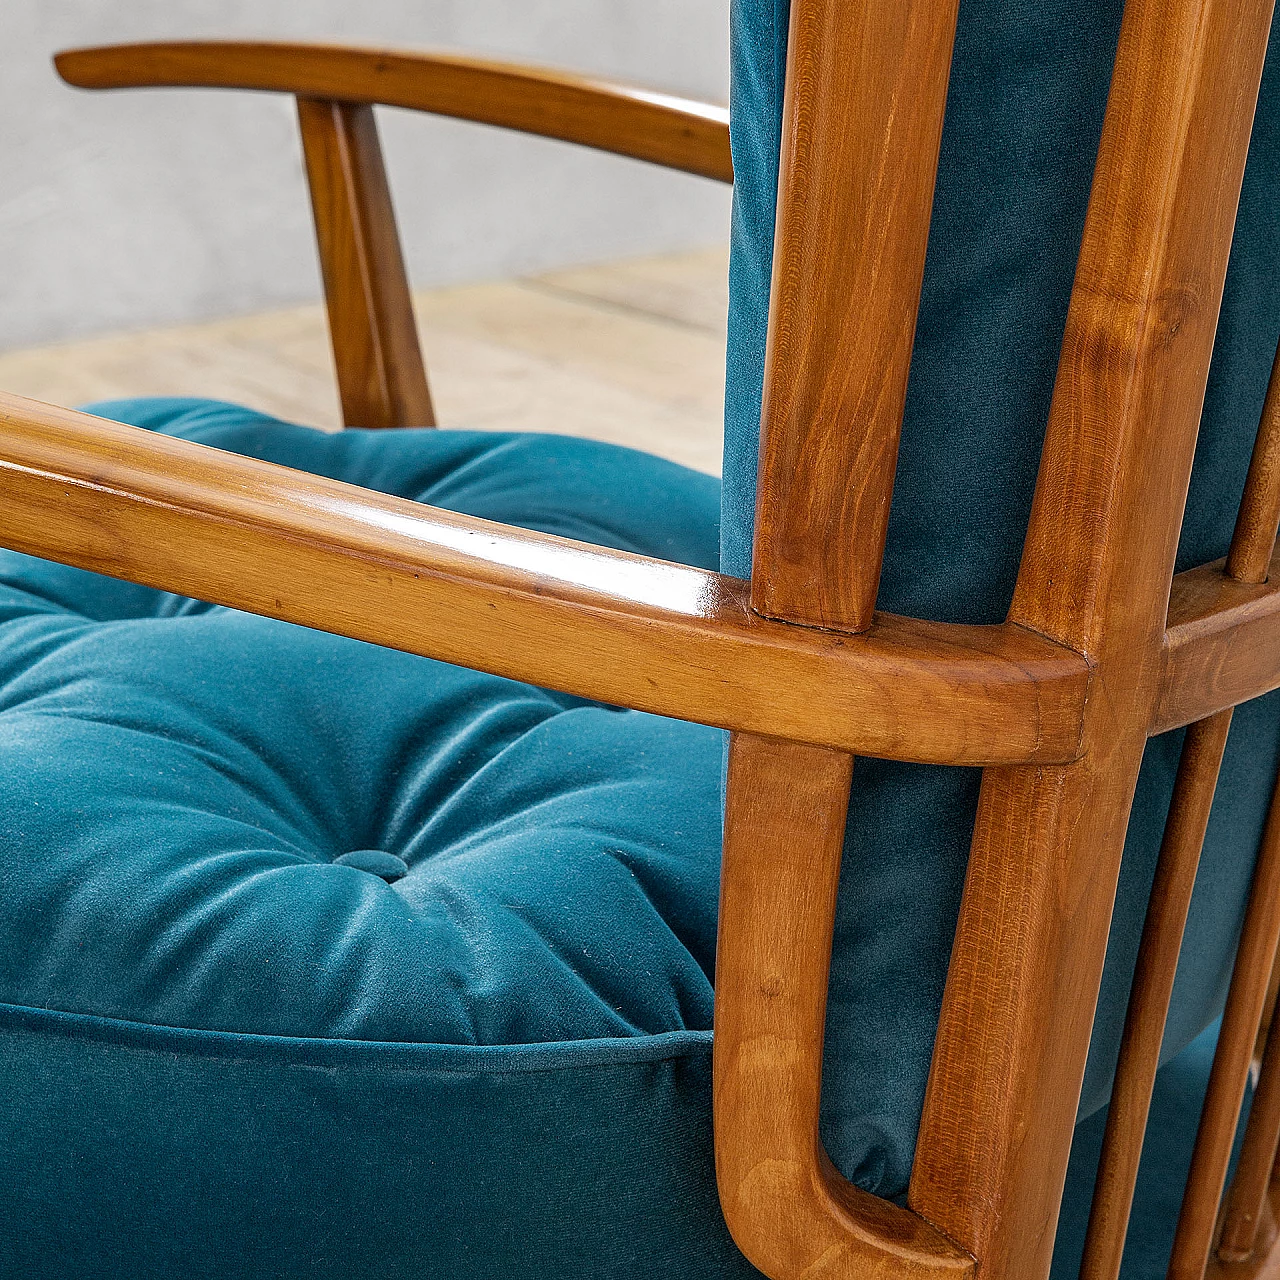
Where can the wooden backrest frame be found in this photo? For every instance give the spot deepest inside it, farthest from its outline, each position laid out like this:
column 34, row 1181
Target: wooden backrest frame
column 859, row 152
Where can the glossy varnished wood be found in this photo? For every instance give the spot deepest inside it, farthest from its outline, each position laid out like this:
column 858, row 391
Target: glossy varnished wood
column 782, row 1198
column 1031, row 941
column 381, row 378
column 1252, row 546
column 866, row 89
column 604, row 624
column 663, row 128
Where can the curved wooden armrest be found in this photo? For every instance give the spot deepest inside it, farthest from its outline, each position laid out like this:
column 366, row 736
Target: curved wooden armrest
column 608, row 625
column 663, row 128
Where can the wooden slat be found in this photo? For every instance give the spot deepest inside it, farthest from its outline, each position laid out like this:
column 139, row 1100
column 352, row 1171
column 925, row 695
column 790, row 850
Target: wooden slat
column 1243, row 1212
column 1253, row 548
column 867, row 84
column 787, row 1207
column 1149, row 997
column 663, row 128
column 381, row 378
column 605, row 624
column 1254, row 541
column 1232, row 1061
column 1028, row 957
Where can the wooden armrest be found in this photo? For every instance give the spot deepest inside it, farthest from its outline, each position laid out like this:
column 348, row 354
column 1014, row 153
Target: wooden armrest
column 662, row 128
column 602, row 624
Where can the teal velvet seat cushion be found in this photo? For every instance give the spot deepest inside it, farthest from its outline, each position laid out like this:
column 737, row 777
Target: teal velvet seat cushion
column 1024, row 113
column 321, row 959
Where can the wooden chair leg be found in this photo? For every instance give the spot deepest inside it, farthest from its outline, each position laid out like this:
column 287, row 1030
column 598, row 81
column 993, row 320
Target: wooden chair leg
column 381, row 378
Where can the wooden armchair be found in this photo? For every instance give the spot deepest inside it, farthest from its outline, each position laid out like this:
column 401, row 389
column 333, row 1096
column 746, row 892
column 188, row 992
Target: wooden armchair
column 1104, row 645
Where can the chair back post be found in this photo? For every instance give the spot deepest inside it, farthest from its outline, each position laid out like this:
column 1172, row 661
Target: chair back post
column 1097, row 567
column 866, row 89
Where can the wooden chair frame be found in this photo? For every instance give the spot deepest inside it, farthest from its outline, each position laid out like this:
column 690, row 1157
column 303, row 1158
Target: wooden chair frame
column 1103, row 646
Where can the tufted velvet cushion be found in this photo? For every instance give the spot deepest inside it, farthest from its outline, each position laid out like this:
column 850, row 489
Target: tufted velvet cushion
column 1024, row 112
column 322, row 959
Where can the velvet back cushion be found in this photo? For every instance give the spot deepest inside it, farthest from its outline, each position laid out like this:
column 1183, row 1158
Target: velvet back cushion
column 1028, row 90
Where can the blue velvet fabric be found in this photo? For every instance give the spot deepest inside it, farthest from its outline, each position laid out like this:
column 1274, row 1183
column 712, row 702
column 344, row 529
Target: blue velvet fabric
column 1166, row 1160
column 1024, row 113
column 320, row 959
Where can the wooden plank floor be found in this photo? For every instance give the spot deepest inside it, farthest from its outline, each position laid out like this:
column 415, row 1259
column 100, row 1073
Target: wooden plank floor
column 630, row 352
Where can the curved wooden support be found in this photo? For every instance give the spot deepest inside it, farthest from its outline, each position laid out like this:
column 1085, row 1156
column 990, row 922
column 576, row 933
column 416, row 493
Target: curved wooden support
column 603, row 624
column 663, row 128
column 789, row 1210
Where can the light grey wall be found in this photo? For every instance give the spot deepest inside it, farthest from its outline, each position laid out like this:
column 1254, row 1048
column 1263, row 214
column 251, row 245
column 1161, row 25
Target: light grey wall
column 121, row 210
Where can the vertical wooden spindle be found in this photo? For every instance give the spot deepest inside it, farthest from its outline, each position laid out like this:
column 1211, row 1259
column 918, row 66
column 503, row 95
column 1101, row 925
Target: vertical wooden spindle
column 1231, row 1063
column 1243, row 1212
column 1259, row 515
column 1248, row 561
column 1149, row 997
column 381, row 378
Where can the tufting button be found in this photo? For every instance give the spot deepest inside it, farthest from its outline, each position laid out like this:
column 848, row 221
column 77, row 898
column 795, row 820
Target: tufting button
column 376, row 862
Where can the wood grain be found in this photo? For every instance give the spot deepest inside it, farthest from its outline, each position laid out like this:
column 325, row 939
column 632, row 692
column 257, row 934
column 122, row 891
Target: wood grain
column 1252, row 545
column 381, row 378
column 1103, row 645
column 663, row 128
column 1151, row 990
column 604, row 624
column 1222, row 646
column 866, row 88
column 1031, row 941
column 787, row 1207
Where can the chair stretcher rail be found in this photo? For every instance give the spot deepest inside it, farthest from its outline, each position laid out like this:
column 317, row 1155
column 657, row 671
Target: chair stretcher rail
column 663, row 128
column 1222, row 645
column 608, row 625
